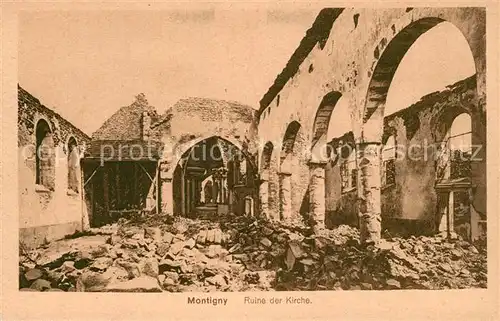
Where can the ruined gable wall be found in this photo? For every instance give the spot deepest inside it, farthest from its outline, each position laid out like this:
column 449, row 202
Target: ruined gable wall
column 189, row 122
column 194, row 119
column 45, row 214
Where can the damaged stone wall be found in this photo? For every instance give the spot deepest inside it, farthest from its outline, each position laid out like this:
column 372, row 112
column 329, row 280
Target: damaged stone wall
column 192, row 120
column 344, row 62
column 341, row 206
column 357, row 57
column 293, row 174
column 128, row 122
column 409, row 205
column 46, row 214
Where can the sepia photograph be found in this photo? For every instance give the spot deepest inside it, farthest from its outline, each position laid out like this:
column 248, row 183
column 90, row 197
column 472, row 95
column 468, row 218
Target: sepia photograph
column 270, row 148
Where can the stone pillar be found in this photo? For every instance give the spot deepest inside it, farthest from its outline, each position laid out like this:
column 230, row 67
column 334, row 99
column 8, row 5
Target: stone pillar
column 264, row 195
column 369, row 181
column 285, row 195
column 223, row 188
column 214, row 191
column 105, row 196
column 478, row 194
column 450, row 222
column 444, row 212
column 166, row 195
column 317, row 193
column 187, row 191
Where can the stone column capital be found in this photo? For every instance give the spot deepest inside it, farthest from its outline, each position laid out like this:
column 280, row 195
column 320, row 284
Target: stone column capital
column 314, row 163
column 165, row 176
column 284, row 173
column 365, row 143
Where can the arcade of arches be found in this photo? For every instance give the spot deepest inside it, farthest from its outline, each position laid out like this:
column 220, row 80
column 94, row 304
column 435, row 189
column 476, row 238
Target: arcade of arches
column 331, row 143
column 403, row 167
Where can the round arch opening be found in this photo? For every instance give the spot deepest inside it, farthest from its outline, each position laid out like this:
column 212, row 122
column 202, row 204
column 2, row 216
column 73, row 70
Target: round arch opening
column 213, row 177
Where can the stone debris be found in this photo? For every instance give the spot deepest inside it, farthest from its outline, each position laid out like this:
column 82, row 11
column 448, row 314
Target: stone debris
column 33, row 274
column 247, row 254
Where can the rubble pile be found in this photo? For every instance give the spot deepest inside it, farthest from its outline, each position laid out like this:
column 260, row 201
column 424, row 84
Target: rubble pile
column 334, row 259
column 241, row 253
column 415, row 263
column 183, row 256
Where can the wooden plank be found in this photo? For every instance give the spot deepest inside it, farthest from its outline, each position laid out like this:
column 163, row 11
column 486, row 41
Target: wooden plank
column 105, row 186
column 135, row 195
column 158, row 189
column 92, row 175
column 145, row 171
column 117, row 185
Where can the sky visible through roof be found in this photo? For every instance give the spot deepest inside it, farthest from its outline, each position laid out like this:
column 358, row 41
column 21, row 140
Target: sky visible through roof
column 87, row 64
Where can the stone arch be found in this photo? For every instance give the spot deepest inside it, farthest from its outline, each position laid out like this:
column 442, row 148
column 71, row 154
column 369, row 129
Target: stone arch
column 294, row 171
column 289, row 146
column 266, row 157
column 454, row 167
column 456, row 139
column 443, row 121
column 388, row 55
column 385, row 65
column 187, row 186
column 181, row 149
column 45, row 155
column 268, row 189
column 321, row 124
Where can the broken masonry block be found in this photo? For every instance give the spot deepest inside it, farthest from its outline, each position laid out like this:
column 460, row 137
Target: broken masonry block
column 235, row 248
column 202, row 237
column 211, row 236
column 293, row 253
column 190, row 243
column 266, row 242
column 218, row 236
column 168, row 237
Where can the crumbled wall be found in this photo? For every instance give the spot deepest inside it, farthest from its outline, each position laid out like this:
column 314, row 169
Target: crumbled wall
column 30, row 110
column 46, row 214
column 345, row 61
column 127, row 122
column 191, row 120
column 413, row 197
column 340, row 206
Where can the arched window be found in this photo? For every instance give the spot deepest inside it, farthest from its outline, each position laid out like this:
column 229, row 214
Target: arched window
column 243, row 170
column 388, row 162
column 348, row 169
column 460, row 136
column 45, row 156
column 456, row 150
column 454, row 169
column 73, row 162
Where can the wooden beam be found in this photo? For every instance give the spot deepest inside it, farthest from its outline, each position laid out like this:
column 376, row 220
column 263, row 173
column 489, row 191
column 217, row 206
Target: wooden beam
column 183, row 196
column 117, row 184
column 135, row 195
column 92, row 175
column 145, row 171
column 158, row 189
column 105, row 186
